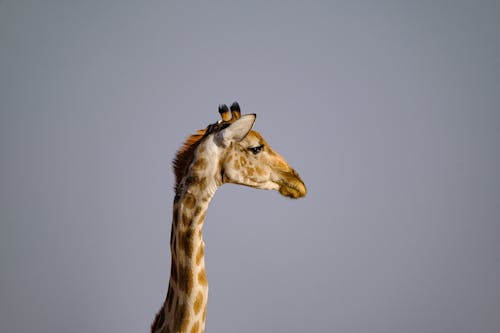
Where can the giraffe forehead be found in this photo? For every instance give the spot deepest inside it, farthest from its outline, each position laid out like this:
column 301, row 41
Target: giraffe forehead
column 253, row 139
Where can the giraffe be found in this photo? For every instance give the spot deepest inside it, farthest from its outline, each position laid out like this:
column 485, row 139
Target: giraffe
column 228, row 151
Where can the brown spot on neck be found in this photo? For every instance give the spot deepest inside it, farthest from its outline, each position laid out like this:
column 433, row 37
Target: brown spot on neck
column 198, row 303
column 185, row 242
column 189, row 201
column 195, row 328
column 200, row 164
column 202, row 277
column 199, row 254
column 181, row 319
column 185, row 297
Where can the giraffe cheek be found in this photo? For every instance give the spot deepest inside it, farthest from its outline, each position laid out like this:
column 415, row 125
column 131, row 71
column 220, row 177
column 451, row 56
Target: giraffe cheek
column 260, row 171
column 228, row 175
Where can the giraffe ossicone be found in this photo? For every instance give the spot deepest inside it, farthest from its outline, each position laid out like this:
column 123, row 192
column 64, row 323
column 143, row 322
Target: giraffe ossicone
column 228, row 151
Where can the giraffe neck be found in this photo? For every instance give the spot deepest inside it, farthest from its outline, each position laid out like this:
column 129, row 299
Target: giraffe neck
column 184, row 309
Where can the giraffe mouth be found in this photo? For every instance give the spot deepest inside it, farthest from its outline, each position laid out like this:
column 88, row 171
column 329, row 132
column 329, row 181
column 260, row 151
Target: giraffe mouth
column 292, row 186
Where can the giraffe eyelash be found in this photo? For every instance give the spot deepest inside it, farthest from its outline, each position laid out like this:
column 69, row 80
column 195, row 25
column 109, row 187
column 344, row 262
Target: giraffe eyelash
column 256, row 150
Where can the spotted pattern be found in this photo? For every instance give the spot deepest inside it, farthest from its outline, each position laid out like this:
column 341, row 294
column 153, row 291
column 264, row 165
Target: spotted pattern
column 199, row 254
column 198, row 303
column 195, row 328
column 202, row 184
column 185, row 306
column 183, row 321
column 180, row 316
column 185, row 282
column 188, row 285
column 200, row 164
column 201, row 219
column 186, row 241
column 189, row 201
column 202, row 277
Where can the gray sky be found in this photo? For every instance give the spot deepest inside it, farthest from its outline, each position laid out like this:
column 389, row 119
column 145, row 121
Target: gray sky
column 389, row 110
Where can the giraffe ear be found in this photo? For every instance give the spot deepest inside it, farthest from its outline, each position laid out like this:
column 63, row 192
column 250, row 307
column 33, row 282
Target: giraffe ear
column 238, row 130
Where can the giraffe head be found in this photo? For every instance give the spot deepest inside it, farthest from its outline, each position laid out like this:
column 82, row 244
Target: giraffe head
column 241, row 154
column 249, row 160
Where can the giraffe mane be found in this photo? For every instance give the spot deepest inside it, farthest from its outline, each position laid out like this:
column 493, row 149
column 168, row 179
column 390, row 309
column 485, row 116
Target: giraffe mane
column 185, row 155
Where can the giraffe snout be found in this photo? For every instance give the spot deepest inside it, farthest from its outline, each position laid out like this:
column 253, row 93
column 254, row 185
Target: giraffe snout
column 291, row 185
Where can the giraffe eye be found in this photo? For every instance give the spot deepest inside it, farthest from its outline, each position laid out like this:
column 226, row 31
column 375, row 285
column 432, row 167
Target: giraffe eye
column 256, row 150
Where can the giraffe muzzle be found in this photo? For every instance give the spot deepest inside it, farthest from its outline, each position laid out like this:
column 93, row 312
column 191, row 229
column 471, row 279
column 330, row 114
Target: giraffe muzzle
column 291, row 185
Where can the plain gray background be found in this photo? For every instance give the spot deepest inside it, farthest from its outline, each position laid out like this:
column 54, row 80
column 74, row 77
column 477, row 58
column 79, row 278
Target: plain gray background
column 389, row 110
